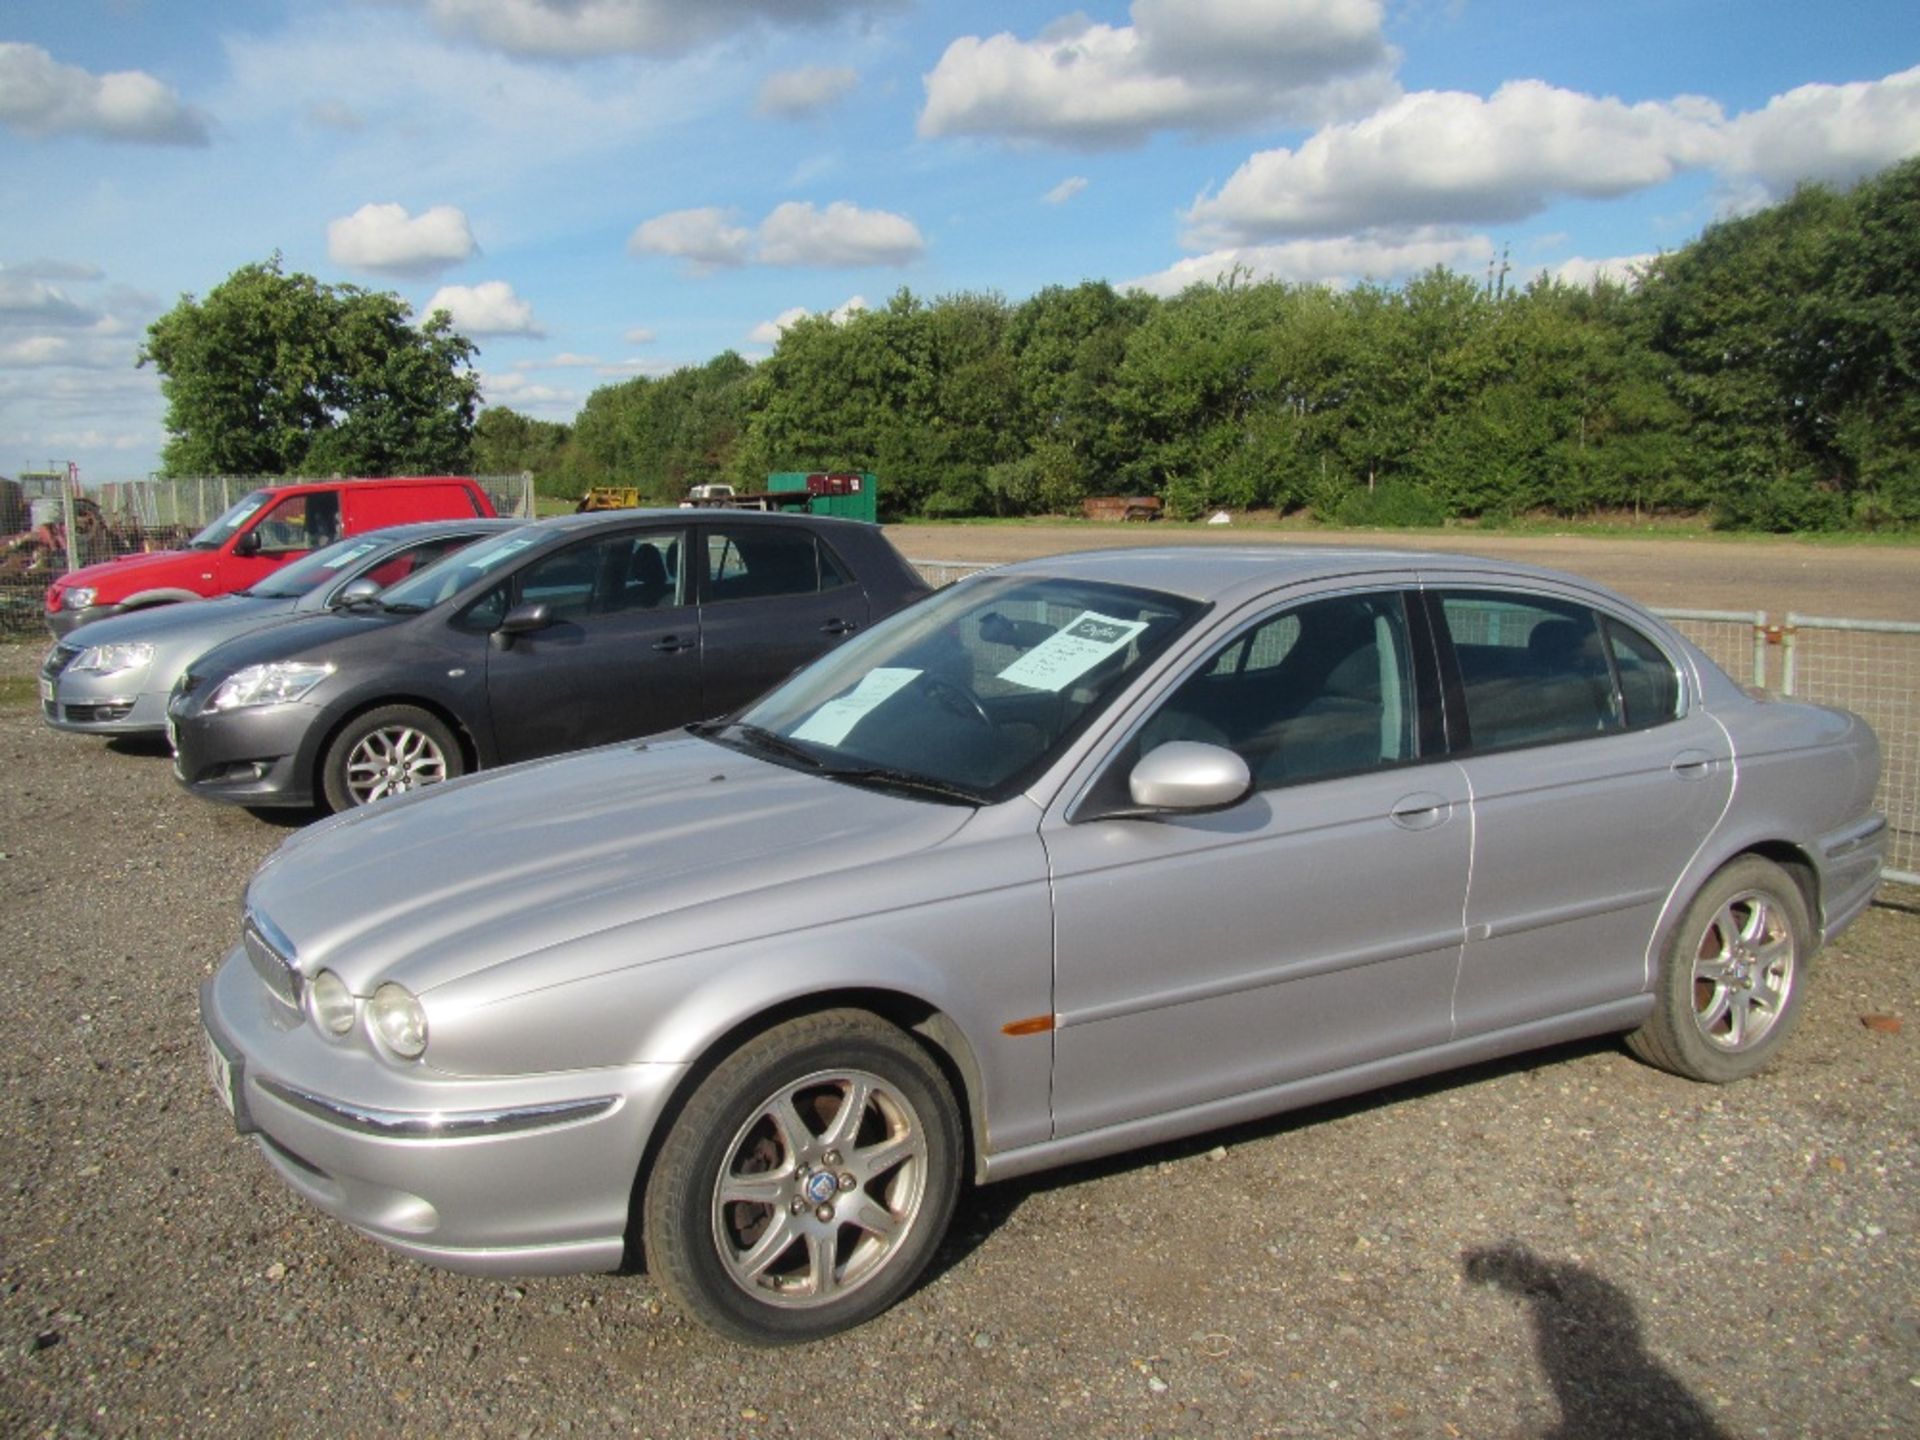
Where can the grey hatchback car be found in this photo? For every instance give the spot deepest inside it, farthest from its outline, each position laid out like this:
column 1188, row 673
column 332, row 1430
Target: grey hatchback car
column 1076, row 856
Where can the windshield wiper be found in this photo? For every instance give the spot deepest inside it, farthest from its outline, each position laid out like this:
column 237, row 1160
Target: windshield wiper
column 765, row 739
column 902, row 780
column 404, row 607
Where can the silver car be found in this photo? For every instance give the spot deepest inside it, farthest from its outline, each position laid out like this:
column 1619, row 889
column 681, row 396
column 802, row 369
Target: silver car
column 112, row 677
column 1075, row 856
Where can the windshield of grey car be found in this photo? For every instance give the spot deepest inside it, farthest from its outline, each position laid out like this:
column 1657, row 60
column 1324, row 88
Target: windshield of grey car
column 315, row 569
column 969, row 694
column 453, row 573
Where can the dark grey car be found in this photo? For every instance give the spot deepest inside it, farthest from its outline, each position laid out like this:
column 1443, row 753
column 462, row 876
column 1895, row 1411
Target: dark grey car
column 113, row 677
column 557, row 635
column 1080, row 855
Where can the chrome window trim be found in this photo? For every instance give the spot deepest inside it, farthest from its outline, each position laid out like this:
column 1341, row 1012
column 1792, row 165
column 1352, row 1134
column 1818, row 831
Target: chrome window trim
column 437, row 1125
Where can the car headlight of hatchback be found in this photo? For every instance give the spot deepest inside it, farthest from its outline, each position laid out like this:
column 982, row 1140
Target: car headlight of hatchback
column 78, row 598
column 399, row 1019
column 271, row 684
column 112, row 659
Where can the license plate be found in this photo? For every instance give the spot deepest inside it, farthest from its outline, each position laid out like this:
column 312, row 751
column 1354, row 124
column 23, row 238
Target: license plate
column 46, row 691
column 223, row 1073
column 173, row 735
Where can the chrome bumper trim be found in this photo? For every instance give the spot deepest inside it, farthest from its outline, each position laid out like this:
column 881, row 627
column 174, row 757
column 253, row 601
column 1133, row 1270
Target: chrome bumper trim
column 436, row 1125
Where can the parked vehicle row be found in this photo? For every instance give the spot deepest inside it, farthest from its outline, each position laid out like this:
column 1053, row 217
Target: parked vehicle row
column 365, row 670
column 263, row 531
column 1074, row 856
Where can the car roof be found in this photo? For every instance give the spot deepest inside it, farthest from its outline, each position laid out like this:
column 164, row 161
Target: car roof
column 428, row 529
column 1229, row 573
column 681, row 515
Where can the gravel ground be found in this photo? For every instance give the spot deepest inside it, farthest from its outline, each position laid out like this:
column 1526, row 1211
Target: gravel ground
column 1572, row 1244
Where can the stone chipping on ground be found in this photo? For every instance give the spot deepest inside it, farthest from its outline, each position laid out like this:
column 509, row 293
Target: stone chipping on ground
column 1567, row 1244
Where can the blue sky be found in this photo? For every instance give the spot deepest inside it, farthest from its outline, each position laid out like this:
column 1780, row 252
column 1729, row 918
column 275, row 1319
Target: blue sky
column 603, row 188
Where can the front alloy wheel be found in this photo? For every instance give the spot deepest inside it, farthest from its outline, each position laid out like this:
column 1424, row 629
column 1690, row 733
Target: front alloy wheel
column 807, row 1182
column 385, row 752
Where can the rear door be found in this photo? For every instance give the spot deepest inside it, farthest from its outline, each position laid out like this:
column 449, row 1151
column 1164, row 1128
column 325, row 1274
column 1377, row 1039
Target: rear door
column 621, row 657
column 773, row 597
column 1594, row 782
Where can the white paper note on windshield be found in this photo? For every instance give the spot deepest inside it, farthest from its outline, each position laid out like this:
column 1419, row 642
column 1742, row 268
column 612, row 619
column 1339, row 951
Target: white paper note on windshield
column 833, row 721
column 1071, row 651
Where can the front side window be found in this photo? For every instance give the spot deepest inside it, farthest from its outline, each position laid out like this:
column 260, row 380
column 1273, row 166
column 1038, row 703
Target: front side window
column 974, row 690
column 1535, row 670
column 1322, row 689
column 605, row 575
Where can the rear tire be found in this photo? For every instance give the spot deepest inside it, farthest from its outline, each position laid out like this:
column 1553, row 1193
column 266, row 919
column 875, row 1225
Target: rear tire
column 385, row 752
column 1731, row 981
column 807, row 1182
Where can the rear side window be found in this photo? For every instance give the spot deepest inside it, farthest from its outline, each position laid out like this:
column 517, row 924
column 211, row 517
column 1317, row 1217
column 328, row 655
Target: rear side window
column 1539, row 671
column 756, row 563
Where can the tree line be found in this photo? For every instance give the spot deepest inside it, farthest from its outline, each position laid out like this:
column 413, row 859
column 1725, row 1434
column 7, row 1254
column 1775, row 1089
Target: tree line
column 1767, row 374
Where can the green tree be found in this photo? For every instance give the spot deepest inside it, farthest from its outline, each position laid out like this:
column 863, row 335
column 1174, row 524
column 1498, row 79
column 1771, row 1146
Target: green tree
column 277, row 374
column 506, row 442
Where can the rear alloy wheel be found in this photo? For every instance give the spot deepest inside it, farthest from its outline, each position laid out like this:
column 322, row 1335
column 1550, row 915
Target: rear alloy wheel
column 387, row 752
column 1730, row 986
column 807, row 1182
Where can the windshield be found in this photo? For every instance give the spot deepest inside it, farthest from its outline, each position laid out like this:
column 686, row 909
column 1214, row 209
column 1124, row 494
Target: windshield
column 318, row 568
column 972, row 692
column 221, row 530
column 449, row 576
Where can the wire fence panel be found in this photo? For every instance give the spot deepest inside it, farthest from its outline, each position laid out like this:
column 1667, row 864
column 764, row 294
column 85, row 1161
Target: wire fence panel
column 1871, row 667
column 1735, row 640
column 944, row 572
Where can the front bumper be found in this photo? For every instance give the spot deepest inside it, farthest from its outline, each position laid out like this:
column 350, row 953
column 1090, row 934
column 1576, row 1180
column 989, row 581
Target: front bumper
column 106, row 706
column 64, row 622
column 508, row 1175
column 260, row 756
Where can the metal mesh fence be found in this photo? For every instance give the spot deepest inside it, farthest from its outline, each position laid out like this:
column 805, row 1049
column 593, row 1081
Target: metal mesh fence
column 944, row 572
column 1871, row 667
column 89, row 523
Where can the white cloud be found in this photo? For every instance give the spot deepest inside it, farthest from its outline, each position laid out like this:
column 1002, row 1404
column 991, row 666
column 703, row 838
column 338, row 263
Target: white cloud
column 489, row 308
column 639, row 335
column 797, row 233
column 796, row 94
column 56, row 270
column 509, row 387
column 40, row 96
column 1835, row 133
column 1198, row 65
column 703, row 237
column 26, row 300
column 1444, row 157
column 332, row 115
column 577, row 29
column 1065, row 190
column 768, row 332
column 1582, row 272
column 81, row 352
column 386, row 238
column 1338, row 262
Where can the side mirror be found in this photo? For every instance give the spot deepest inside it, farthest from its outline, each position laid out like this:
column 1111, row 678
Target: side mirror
column 1185, row 775
column 521, row 620
column 248, row 543
column 355, row 592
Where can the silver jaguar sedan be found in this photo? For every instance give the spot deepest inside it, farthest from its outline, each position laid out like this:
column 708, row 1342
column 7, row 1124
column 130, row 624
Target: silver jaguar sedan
column 1075, row 856
column 113, row 676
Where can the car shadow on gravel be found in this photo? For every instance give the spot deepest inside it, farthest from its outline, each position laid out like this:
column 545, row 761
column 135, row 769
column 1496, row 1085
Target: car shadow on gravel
column 1587, row 1338
column 983, row 1209
column 147, row 746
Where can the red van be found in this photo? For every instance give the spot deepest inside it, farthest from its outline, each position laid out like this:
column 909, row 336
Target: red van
column 270, row 527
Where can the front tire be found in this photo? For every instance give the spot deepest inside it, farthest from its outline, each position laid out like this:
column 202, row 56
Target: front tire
column 807, row 1182
column 1731, row 981
column 385, row 752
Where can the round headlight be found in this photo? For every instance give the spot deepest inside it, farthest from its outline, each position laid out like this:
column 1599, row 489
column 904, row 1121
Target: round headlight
column 399, row 1020
column 78, row 598
column 330, row 1003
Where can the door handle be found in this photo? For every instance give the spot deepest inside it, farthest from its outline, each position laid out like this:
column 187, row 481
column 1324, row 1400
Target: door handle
column 673, row 645
column 839, row 627
column 1421, row 811
column 1693, row 764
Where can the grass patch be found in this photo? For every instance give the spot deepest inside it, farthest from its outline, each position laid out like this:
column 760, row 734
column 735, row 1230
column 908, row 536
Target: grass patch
column 19, row 692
